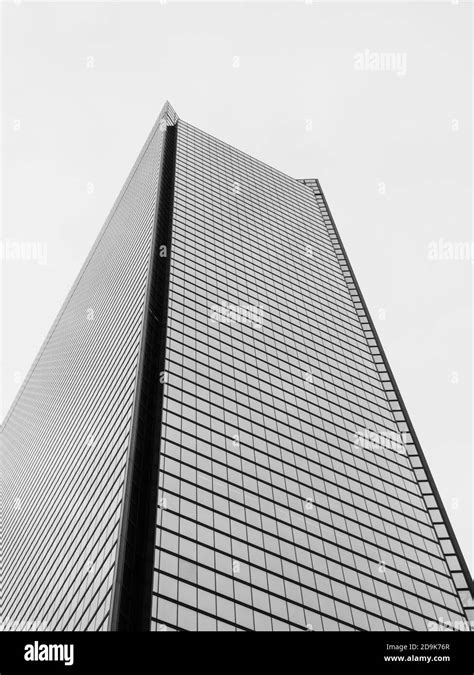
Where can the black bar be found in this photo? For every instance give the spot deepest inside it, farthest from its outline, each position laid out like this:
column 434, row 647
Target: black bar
column 443, row 652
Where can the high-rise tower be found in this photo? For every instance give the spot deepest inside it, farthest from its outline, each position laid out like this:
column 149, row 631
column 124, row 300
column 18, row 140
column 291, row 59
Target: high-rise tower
column 211, row 437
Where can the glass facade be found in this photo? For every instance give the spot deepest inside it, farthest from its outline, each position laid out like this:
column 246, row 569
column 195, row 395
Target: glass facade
column 66, row 439
column 291, row 492
column 276, row 510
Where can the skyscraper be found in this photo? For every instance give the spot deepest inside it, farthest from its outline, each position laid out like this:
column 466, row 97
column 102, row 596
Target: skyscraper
column 211, row 437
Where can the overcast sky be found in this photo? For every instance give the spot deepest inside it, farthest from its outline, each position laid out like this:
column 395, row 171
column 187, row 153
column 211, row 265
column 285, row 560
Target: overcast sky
column 312, row 90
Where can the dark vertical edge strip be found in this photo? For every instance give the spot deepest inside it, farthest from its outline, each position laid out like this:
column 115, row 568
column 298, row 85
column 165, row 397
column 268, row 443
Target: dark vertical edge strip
column 437, row 496
column 132, row 590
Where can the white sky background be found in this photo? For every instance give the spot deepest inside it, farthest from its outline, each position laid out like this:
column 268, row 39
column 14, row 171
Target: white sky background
column 297, row 102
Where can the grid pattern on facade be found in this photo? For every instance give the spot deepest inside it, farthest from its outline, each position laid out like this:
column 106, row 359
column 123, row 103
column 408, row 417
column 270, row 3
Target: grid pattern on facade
column 271, row 515
column 277, row 510
column 66, row 437
column 439, row 518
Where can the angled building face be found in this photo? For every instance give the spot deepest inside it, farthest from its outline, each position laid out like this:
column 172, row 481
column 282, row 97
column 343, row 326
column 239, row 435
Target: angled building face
column 66, row 442
column 211, row 437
